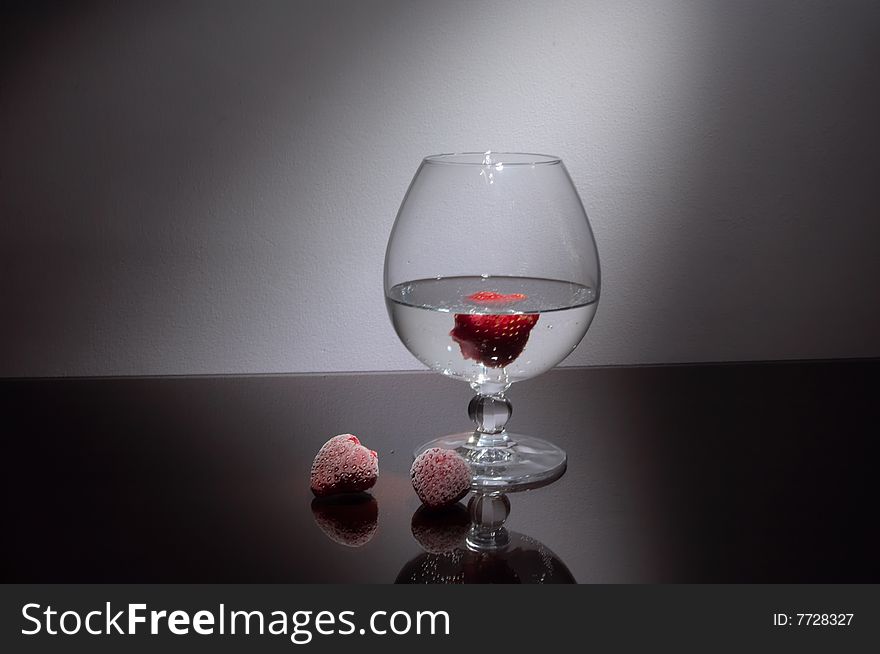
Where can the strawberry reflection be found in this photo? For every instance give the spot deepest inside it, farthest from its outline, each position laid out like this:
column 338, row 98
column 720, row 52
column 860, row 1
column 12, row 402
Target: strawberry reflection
column 439, row 531
column 349, row 520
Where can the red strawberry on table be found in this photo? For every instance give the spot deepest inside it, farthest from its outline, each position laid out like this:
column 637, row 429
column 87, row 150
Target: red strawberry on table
column 440, row 477
column 343, row 465
column 495, row 340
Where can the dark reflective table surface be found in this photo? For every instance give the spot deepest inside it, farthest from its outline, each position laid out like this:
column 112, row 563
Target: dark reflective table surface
column 705, row 473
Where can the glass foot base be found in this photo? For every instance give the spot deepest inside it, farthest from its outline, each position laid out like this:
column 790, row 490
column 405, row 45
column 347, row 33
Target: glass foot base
column 529, row 463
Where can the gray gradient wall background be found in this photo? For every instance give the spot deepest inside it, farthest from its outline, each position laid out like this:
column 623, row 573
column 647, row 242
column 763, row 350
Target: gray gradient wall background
column 207, row 187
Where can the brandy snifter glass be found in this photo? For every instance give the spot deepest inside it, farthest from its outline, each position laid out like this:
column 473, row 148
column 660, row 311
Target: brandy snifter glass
column 492, row 277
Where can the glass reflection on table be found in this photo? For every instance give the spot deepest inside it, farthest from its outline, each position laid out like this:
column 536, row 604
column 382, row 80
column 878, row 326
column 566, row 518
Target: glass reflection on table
column 458, row 549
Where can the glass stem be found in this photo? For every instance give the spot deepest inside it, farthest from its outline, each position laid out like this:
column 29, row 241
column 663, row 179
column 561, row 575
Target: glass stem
column 490, row 414
column 488, row 512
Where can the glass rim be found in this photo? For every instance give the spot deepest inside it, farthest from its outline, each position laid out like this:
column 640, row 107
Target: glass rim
column 492, row 158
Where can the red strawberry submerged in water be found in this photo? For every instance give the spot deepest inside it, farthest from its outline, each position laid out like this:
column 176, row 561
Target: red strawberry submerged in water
column 491, row 297
column 494, row 340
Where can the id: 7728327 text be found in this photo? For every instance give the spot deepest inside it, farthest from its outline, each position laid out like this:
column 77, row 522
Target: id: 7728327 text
column 812, row 619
